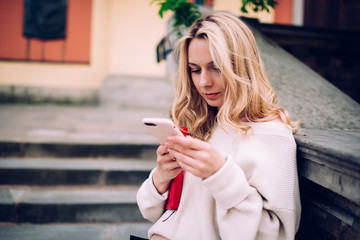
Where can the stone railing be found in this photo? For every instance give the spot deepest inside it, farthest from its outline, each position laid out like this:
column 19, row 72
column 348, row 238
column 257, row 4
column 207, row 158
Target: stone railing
column 328, row 143
column 333, row 53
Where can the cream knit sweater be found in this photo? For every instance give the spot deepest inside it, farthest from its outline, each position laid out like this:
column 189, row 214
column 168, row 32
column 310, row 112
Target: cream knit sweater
column 255, row 194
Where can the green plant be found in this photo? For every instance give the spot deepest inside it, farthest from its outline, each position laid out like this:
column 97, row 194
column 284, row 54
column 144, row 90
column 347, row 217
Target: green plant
column 257, row 5
column 185, row 13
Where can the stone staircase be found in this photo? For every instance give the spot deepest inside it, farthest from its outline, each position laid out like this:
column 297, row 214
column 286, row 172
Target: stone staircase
column 73, row 191
column 72, row 172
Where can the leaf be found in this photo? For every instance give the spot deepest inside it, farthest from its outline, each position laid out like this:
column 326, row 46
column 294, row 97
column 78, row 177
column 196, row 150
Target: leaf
column 257, row 5
column 243, row 9
column 185, row 13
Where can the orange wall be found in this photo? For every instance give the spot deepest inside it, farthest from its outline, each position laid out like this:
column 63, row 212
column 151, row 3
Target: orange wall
column 75, row 48
column 12, row 45
column 117, row 46
column 283, row 12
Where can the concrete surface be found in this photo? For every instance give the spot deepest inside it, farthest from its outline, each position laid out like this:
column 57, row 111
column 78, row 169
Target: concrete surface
column 77, row 231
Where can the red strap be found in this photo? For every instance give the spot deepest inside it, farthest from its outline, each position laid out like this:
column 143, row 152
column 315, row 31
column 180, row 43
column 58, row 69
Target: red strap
column 175, row 187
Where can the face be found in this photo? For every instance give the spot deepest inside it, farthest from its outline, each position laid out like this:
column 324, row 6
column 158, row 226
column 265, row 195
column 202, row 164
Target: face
column 206, row 77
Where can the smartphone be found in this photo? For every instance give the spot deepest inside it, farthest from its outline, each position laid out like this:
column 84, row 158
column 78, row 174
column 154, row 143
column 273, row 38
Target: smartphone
column 161, row 128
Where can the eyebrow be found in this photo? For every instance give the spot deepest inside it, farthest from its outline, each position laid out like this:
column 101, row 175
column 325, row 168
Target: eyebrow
column 210, row 63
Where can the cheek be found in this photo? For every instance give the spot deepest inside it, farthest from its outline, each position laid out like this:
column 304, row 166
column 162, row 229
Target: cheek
column 195, row 82
column 220, row 81
column 223, row 82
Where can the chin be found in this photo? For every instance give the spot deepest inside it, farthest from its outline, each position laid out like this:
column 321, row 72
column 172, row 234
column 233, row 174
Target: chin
column 214, row 105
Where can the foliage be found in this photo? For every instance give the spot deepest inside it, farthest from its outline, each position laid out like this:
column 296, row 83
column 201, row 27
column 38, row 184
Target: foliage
column 185, row 13
column 257, row 5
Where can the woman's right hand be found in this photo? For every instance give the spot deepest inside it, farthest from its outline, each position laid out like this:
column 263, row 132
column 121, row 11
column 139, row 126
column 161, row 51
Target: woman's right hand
column 166, row 169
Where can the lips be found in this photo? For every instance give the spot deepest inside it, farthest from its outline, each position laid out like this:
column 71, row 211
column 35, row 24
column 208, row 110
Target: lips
column 211, row 95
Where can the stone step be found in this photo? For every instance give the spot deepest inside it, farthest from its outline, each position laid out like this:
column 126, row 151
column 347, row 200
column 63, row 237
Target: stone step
column 136, row 92
column 128, row 148
column 73, row 231
column 74, row 171
column 68, row 131
column 69, row 204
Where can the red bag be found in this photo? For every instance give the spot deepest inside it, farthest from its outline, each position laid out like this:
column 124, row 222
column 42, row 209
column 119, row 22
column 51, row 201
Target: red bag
column 175, row 187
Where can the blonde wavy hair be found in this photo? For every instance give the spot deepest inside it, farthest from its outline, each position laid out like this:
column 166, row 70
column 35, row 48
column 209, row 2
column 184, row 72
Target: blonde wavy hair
column 249, row 96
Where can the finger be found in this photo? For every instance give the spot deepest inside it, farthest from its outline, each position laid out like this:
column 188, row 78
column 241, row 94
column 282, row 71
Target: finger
column 171, row 166
column 192, row 147
column 162, row 150
column 189, row 167
column 180, row 143
column 169, row 170
column 187, row 162
column 165, row 159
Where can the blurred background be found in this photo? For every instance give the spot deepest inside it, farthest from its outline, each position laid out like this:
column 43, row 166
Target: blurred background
column 115, row 37
column 103, row 37
column 77, row 77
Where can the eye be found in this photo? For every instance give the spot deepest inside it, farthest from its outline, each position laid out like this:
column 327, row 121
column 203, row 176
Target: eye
column 194, row 70
column 215, row 69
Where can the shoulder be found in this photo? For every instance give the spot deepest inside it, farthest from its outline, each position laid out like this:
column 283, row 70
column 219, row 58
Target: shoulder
column 274, row 128
column 272, row 136
column 269, row 144
column 258, row 130
column 263, row 136
column 268, row 139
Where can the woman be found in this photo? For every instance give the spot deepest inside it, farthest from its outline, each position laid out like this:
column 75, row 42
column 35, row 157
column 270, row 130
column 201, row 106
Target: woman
column 239, row 160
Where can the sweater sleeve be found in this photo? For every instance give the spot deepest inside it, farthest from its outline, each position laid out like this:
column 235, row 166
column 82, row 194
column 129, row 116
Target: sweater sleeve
column 256, row 191
column 150, row 202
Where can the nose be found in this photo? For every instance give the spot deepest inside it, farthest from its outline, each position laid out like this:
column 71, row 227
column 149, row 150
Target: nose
column 205, row 79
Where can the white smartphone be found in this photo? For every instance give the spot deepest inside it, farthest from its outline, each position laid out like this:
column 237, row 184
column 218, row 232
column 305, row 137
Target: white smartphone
column 161, row 128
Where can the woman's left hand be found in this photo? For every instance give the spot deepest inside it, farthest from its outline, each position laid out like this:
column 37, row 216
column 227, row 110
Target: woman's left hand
column 195, row 156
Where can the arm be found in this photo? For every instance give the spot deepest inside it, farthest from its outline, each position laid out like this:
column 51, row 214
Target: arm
column 256, row 191
column 238, row 205
column 280, row 193
column 153, row 193
column 151, row 203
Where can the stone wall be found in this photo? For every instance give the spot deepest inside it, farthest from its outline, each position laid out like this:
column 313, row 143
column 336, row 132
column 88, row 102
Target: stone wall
column 333, row 53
